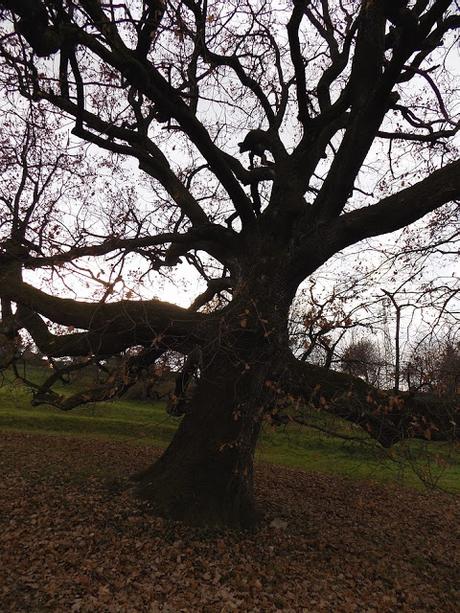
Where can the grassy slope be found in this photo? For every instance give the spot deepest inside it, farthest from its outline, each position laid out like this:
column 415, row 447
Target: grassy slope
column 146, row 423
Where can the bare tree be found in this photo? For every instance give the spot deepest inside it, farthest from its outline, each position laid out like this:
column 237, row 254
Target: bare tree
column 434, row 367
column 321, row 88
column 361, row 359
column 449, row 369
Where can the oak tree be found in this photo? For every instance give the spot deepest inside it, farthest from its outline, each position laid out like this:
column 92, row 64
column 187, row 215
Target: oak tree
column 354, row 100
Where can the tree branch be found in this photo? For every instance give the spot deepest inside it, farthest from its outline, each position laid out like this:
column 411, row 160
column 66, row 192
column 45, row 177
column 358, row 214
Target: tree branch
column 146, row 78
column 385, row 417
column 214, row 287
column 297, row 61
column 131, row 322
column 118, row 382
column 213, row 239
column 400, row 209
column 432, row 137
column 371, row 88
column 151, row 158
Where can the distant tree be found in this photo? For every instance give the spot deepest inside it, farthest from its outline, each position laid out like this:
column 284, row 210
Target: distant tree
column 361, row 359
column 434, row 367
column 318, row 90
column 449, row 369
column 420, row 370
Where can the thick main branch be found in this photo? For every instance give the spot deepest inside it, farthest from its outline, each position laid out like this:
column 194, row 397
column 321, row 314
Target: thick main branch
column 141, row 321
column 385, row 417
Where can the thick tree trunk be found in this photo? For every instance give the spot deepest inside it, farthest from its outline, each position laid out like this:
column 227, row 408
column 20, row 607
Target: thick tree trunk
column 206, row 474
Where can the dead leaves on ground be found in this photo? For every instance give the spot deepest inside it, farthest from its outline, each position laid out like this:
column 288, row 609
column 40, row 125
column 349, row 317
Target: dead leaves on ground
column 74, row 540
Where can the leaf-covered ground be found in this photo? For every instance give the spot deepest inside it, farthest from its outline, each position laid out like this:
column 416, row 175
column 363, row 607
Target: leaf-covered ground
column 71, row 539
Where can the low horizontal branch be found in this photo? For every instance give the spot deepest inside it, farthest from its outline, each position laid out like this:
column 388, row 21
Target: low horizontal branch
column 132, row 322
column 118, row 382
column 386, row 417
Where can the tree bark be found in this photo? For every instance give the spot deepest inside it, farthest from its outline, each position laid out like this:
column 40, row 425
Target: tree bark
column 205, row 477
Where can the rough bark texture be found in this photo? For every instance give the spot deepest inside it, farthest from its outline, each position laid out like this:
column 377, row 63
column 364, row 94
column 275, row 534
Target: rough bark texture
column 206, row 474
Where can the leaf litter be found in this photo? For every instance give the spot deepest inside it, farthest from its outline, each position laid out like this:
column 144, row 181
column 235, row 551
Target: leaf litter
column 74, row 539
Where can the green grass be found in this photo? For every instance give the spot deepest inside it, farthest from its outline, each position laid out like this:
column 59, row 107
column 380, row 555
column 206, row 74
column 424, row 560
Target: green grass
column 411, row 463
column 146, row 422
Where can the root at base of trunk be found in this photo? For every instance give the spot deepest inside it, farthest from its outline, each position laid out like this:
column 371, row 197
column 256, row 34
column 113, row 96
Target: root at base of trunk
column 199, row 499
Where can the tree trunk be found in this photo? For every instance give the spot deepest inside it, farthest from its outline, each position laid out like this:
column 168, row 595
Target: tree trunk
column 205, row 476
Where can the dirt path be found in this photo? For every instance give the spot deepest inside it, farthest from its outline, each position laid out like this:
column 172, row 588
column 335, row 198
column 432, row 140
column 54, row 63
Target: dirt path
column 70, row 540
